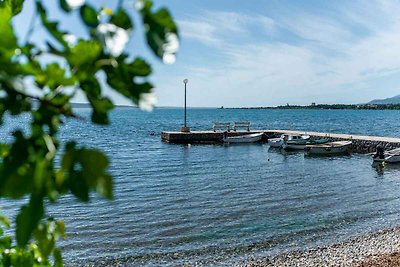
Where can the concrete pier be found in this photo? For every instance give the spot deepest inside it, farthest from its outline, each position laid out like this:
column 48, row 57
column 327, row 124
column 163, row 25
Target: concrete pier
column 361, row 144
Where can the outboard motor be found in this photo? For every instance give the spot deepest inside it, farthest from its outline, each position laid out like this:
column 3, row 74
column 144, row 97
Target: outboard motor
column 225, row 135
column 380, row 153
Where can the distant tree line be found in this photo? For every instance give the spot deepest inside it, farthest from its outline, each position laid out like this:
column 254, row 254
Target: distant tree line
column 334, row 106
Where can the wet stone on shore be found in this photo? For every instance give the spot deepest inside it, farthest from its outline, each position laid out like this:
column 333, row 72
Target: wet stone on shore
column 378, row 249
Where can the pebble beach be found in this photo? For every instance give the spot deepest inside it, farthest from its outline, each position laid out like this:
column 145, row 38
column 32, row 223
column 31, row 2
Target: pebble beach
column 378, row 249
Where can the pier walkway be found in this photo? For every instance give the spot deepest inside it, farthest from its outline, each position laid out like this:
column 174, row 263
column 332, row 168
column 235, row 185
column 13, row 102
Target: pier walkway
column 361, row 144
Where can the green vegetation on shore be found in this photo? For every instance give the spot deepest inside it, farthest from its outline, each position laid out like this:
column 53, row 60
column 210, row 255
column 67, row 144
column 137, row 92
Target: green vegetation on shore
column 39, row 81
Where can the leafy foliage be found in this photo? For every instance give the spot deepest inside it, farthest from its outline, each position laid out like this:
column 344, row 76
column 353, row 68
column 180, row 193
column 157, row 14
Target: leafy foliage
column 27, row 165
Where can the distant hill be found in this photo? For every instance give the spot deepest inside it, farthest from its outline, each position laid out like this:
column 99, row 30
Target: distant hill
column 386, row 101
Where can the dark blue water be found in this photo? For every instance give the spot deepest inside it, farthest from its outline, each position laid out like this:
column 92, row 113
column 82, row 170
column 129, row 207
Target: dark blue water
column 180, row 203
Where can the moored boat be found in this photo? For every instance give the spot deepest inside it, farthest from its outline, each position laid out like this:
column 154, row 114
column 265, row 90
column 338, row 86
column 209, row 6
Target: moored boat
column 295, row 141
column 276, row 142
column 247, row 138
column 390, row 156
column 330, row 148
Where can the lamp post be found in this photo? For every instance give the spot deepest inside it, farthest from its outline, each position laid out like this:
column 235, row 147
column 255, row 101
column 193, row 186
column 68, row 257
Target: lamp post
column 185, row 128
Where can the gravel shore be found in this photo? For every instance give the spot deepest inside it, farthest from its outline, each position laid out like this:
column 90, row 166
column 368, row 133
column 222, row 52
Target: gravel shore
column 378, row 249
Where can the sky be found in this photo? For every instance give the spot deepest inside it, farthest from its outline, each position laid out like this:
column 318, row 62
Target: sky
column 266, row 53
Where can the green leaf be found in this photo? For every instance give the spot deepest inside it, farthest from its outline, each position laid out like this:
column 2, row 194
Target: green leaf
column 73, row 173
column 7, row 39
column 13, row 102
column 53, row 77
column 15, row 173
column 139, row 67
column 27, row 164
column 78, row 184
column 84, row 53
column 64, row 6
column 4, row 221
column 94, row 165
column 47, row 234
column 89, row 16
column 122, row 20
column 85, row 169
column 82, row 57
column 160, row 28
column 4, row 150
column 21, row 257
column 48, row 116
column 122, row 79
column 28, row 219
column 58, row 261
column 16, row 6
column 163, row 18
column 5, row 242
column 101, row 105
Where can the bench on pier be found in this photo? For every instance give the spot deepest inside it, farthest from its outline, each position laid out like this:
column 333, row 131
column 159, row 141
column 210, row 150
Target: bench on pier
column 225, row 126
column 241, row 125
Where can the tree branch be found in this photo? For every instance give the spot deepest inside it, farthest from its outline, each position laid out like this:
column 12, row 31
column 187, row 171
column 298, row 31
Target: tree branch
column 31, row 27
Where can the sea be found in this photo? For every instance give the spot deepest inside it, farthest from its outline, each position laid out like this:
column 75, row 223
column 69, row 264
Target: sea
column 220, row 204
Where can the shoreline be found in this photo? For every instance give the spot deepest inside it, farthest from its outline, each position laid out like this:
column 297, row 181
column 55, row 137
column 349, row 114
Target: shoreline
column 381, row 248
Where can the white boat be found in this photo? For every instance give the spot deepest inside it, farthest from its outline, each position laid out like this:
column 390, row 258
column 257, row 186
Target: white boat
column 290, row 138
column 330, row 148
column 390, row 156
column 247, row 138
column 295, row 141
column 276, row 142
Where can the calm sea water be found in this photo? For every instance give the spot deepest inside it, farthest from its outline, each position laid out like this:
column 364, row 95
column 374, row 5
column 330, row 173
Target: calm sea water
column 181, row 203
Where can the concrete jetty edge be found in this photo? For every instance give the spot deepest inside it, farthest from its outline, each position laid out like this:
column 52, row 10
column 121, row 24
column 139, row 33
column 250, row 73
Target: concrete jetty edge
column 361, row 143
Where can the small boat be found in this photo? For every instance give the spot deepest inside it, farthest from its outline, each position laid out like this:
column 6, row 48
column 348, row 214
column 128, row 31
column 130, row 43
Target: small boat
column 330, row 148
column 295, row 141
column 247, row 138
column 390, row 156
column 276, row 142
column 289, row 138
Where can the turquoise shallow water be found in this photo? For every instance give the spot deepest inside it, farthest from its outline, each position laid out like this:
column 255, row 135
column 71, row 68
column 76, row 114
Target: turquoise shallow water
column 179, row 203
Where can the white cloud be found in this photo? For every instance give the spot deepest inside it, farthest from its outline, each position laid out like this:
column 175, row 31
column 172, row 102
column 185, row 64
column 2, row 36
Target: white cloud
column 334, row 58
column 215, row 29
column 200, row 31
column 322, row 30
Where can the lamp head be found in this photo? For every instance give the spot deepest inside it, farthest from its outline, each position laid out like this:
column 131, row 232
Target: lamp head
column 185, row 81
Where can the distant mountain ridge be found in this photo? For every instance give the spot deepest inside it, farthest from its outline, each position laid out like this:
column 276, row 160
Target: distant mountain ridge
column 387, row 101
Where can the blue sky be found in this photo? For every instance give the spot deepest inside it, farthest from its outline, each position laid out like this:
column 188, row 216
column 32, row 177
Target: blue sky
column 267, row 53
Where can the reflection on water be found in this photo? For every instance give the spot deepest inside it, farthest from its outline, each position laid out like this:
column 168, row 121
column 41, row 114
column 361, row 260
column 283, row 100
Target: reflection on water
column 386, row 168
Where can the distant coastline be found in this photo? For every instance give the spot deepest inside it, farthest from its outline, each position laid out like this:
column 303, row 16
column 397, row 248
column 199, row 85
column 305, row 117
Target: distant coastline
column 332, row 106
column 283, row 107
column 87, row 105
